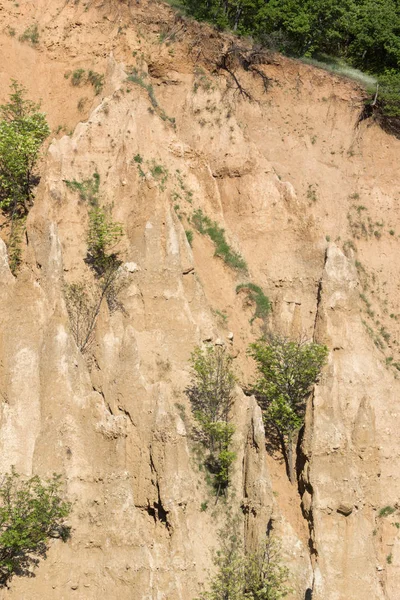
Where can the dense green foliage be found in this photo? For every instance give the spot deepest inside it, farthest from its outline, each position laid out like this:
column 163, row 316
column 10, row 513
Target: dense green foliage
column 286, row 372
column 23, row 130
column 211, row 396
column 31, row 512
column 239, row 576
column 364, row 32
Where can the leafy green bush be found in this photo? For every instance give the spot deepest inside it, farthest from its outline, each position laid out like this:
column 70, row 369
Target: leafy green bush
column 206, row 226
column 211, row 397
column 32, row 512
column 103, row 235
column 256, row 295
column 287, row 371
column 23, row 130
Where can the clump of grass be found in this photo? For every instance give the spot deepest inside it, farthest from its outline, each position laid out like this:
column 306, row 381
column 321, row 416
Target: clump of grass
column 31, row 34
column 77, row 77
column 339, row 67
column 312, row 193
column 139, row 79
column 386, row 511
column 189, row 236
column 206, row 226
column 221, row 314
column 87, row 189
column 96, row 80
column 256, row 295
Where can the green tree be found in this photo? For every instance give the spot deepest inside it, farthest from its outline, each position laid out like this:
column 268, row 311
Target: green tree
column 229, row 579
column 287, row 371
column 260, row 575
column 32, row 512
column 211, row 397
column 23, row 130
column 266, row 578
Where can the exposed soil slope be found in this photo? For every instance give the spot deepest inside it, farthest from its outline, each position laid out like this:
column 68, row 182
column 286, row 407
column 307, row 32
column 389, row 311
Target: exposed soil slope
column 308, row 198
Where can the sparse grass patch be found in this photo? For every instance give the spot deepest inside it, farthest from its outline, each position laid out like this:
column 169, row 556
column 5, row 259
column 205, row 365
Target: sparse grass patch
column 96, row 80
column 31, row 35
column 256, row 295
column 386, row 511
column 189, row 236
column 206, row 226
column 77, row 77
column 139, row 79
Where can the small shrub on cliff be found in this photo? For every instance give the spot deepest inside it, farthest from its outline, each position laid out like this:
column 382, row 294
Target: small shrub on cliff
column 23, row 130
column 211, row 397
column 287, row 371
column 239, row 576
column 83, row 300
column 32, row 512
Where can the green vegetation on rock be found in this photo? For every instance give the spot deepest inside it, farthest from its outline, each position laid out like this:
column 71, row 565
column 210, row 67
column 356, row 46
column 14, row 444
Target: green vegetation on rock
column 260, row 575
column 32, row 512
column 211, row 397
column 23, row 129
column 287, row 370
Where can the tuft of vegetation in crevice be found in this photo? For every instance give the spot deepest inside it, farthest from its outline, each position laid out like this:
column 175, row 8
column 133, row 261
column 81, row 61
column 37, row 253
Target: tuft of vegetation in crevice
column 31, row 35
column 204, row 225
column 287, row 371
column 256, row 295
column 139, row 78
column 80, row 77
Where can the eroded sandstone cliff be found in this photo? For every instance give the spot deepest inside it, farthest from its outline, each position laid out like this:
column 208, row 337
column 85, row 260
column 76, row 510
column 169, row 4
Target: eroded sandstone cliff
column 285, row 174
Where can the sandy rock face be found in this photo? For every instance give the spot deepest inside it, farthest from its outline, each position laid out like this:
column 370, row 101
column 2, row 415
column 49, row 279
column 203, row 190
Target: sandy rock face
column 295, row 187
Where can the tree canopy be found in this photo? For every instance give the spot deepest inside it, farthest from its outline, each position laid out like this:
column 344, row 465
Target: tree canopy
column 366, row 33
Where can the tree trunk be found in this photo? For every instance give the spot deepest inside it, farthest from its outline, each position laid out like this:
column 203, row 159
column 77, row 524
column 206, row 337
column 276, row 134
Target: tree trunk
column 290, row 462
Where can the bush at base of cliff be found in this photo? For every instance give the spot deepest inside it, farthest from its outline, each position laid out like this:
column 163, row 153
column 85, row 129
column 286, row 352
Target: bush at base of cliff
column 31, row 512
column 260, row 575
column 211, row 397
